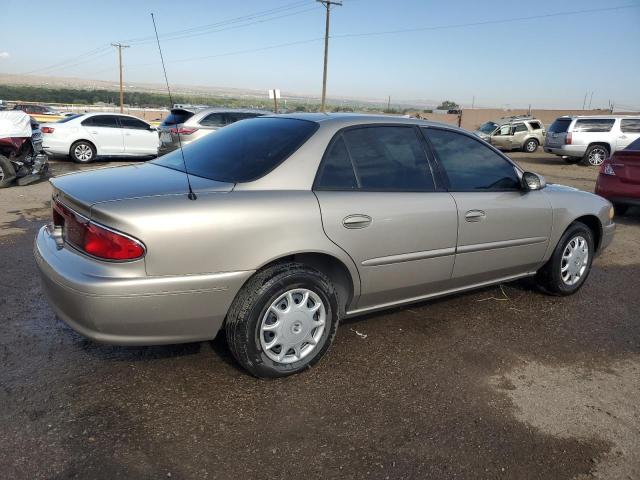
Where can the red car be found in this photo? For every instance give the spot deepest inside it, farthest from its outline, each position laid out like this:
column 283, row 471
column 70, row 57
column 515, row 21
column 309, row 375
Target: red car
column 619, row 178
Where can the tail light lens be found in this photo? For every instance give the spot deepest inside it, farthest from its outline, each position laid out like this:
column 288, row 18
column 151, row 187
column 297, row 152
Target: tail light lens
column 607, row 169
column 95, row 239
column 46, row 130
column 183, row 130
column 568, row 138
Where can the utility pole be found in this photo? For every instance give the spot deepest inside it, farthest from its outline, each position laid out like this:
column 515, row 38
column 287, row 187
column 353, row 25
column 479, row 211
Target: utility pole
column 473, row 102
column 389, row 105
column 590, row 99
column 120, row 46
column 584, row 102
column 327, row 4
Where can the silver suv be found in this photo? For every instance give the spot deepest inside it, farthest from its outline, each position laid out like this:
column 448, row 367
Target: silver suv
column 591, row 139
column 520, row 132
column 194, row 123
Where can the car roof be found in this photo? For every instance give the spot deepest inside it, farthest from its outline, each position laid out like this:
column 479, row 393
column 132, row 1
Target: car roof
column 605, row 117
column 201, row 111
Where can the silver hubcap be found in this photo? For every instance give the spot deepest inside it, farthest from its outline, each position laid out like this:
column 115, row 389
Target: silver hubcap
column 293, row 325
column 531, row 146
column 574, row 260
column 597, row 156
column 83, row 152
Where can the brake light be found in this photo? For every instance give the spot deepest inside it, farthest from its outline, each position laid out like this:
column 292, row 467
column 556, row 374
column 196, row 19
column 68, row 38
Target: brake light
column 183, row 131
column 95, row 239
column 46, row 130
column 607, row 169
column 568, row 138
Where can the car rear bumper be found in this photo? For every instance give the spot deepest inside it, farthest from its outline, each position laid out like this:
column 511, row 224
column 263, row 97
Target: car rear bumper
column 133, row 311
column 566, row 150
column 617, row 191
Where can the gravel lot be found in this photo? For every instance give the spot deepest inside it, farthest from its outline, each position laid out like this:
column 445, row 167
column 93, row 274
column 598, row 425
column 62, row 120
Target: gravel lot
column 498, row 383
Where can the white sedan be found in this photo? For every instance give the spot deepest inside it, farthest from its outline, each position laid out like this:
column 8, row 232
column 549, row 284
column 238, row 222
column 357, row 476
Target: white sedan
column 87, row 136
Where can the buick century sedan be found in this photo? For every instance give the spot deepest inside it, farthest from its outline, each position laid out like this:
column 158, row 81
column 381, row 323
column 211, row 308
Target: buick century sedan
column 297, row 222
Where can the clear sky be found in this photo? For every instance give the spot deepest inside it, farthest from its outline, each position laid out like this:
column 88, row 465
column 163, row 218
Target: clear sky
column 457, row 49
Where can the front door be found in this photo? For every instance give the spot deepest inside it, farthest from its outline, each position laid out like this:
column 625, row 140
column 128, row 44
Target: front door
column 502, row 137
column 503, row 230
column 380, row 204
column 139, row 138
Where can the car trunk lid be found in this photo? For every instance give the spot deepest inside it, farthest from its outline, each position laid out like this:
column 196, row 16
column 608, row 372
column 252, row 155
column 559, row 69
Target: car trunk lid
column 81, row 191
column 626, row 165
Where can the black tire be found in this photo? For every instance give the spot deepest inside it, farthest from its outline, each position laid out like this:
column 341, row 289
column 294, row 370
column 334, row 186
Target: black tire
column 595, row 155
column 7, row 172
column 530, row 146
column 549, row 277
column 244, row 318
column 620, row 208
column 82, row 146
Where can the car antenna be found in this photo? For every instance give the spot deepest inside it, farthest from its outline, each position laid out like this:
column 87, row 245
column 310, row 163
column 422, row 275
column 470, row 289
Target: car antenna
column 192, row 195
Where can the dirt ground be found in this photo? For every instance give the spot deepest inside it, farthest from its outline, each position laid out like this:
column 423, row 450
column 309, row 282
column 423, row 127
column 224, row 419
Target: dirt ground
column 499, row 383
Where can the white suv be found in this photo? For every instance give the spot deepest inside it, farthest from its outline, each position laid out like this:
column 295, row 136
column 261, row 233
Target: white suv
column 591, row 139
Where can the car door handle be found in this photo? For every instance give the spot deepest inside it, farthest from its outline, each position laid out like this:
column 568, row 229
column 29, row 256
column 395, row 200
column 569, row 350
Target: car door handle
column 475, row 216
column 95, row 132
column 356, row 221
column 622, row 136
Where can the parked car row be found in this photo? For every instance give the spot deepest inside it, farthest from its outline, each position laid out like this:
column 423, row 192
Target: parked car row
column 520, row 132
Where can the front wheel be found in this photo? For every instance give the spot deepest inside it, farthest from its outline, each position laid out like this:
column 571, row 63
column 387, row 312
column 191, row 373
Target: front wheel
column 283, row 320
column 530, row 145
column 570, row 264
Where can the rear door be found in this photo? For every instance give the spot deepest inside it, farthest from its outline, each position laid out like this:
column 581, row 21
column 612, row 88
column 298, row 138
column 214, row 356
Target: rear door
column 629, row 132
column 380, row 203
column 503, row 230
column 520, row 134
column 105, row 132
column 139, row 138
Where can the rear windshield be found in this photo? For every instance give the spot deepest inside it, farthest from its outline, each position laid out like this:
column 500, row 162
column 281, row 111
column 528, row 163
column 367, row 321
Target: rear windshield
column 561, row 125
column 635, row 145
column 177, row 116
column 243, row 151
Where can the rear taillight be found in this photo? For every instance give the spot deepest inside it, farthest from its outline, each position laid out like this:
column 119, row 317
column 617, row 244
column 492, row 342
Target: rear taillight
column 183, row 131
column 607, row 168
column 46, row 130
column 95, row 239
column 568, row 138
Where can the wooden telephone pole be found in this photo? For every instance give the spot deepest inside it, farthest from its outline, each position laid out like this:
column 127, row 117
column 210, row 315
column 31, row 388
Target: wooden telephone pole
column 120, row 46
column 327, row 4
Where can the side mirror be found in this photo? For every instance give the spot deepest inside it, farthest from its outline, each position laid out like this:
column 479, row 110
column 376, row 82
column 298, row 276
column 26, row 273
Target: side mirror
column 533, row 181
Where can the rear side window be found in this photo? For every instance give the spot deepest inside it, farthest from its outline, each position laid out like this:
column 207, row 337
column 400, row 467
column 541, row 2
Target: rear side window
column 520, row 127
column 336, row 171
column 244, row 151
column 630, row 125
column 561, row 125
column 177, row 116
column 109, row 121
column 128, row 122
column 471, row 165
column 214, row 120
column 594, row 125
column 535, row 125
column 389, row 159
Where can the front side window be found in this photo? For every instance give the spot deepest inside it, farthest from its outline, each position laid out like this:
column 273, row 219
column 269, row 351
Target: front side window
column 504, row 130
column 630, row 125
column 470, row 165
column 594, row 125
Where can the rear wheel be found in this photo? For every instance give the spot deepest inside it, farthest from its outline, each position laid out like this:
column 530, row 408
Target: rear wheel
column 530, row 146
column 570, row 264
column 82, row 152
column 7, row 172
column 283, row 320
column 595, row 155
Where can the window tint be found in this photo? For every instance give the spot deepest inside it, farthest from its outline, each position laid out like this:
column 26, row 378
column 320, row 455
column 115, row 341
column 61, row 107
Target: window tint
column 630, row 125
column 128, row 122
column 389, row 158
column 471, row 165
column 102, row 121
column 521, row 127
column 561, row 125
column 214, row 120
column 236, row 116
column 594, row 125
column 635, row 145
column 336, row 172
column 177, row 116
column 244, row 151
column 535, row 125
